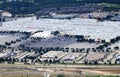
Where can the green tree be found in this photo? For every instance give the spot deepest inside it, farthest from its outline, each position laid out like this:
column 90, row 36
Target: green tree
column 60, row 75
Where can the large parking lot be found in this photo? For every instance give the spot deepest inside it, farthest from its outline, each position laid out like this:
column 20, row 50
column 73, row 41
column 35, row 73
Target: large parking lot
column 51, row 42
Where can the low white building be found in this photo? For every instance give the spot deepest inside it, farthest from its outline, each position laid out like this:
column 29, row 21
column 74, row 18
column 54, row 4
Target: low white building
column 6, row 14
column 44, row 34
column 63, row 16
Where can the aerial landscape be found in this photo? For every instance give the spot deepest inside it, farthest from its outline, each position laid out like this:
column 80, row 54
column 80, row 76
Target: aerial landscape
column 59, row 38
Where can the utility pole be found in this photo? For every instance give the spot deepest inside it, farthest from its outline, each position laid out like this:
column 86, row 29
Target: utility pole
column 1, row 19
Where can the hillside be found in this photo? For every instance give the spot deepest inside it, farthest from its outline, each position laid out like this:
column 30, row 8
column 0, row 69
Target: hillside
column 26, row 6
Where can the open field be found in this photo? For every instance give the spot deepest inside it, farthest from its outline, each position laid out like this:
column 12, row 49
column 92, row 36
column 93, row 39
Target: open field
column 20, row 75
column 75, row 70
column 31, row 75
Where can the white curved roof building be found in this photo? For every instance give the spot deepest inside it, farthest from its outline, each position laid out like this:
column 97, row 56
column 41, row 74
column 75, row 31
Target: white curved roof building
column 44, row 34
